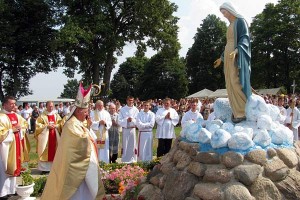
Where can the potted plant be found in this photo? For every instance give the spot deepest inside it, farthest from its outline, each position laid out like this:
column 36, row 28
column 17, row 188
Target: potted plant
column 26, row 189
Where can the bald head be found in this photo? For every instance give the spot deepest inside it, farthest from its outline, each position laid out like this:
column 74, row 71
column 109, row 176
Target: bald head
column 99, row 105
column 99, row 102
column 112, row 108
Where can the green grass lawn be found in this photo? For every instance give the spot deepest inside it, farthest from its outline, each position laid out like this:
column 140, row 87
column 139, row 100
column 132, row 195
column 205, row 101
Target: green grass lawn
column 33, row 153
column 34, row 157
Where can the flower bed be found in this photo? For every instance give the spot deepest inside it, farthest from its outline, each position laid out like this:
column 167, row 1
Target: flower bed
column 124, row 181
column 121, row 181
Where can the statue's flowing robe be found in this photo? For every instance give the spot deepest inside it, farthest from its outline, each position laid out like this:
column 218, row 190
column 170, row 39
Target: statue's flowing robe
column 237, row 71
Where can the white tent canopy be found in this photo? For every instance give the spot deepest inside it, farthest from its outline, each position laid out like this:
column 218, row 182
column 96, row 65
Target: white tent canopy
column 271, row 91
column 218, row 93
column 201, row 94
column 223, row 93
column 36, row 101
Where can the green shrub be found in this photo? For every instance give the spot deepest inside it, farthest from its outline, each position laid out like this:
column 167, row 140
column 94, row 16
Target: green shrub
column 39, row 184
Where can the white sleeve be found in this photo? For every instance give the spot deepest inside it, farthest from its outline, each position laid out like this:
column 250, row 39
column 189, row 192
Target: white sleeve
column 108, row 122
column 175, row 118
column 10, row 136
column 122, row 120
column 159, row 117
column 95, row 124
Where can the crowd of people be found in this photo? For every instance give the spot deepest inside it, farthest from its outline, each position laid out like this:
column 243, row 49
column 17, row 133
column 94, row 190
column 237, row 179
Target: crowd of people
column 133, row 122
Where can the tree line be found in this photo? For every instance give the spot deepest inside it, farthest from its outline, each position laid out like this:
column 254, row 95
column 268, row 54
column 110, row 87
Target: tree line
column 86, row 36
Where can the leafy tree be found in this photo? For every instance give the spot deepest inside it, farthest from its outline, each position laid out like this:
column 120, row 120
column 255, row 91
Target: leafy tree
column 94, row 32
column 126, row 79
column 264, row 69
column 164, row 76
column 276, row 46
column 26, row 45
column 209, row 43
column 70, row 89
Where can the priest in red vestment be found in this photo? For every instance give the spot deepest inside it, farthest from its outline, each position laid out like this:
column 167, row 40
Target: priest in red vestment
column 47, row 134
column 12, row 131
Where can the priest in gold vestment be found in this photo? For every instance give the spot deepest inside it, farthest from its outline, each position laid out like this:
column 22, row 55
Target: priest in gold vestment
column 47, row 133
column 12, row 131
column 75, row 172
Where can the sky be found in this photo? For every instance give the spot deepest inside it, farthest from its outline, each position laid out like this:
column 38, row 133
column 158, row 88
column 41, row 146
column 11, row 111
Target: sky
column 191, row 14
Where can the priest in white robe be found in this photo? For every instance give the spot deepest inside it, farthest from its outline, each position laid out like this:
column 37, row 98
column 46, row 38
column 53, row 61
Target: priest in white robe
column 191, row 116
column 293, row 119
column 283, row 113
column 101, row 122
column 75, row 172
column 127, row 120
column 145, row 121
column 166, row 118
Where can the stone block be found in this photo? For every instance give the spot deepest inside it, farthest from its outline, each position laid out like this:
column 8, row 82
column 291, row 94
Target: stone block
column 237, row 191
column 232, row 159
column 183, row 162
column 271, row 152
column 288, row 156
column 178, row 185
column 167, row 168
column 216, row 174
column 197, row 168
column 290, row 186
column 151, row 192
column 265, row 189
column 207, row 157
column 183, row 145
column 193, row 149
column 275, row 169
column 177, row 156
column 208, row 191
column 257, row 156
column 247, row 174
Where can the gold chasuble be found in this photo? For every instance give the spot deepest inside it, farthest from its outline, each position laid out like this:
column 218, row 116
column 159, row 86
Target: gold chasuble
column 12, row 153
column 71, row 164
column 45, row 150
column 26, row 148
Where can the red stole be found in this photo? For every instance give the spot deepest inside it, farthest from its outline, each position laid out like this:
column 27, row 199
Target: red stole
column 14, row 122
column 51, row 139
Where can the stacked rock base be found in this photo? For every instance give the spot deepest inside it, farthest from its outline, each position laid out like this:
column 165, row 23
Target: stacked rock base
column 186, row 173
